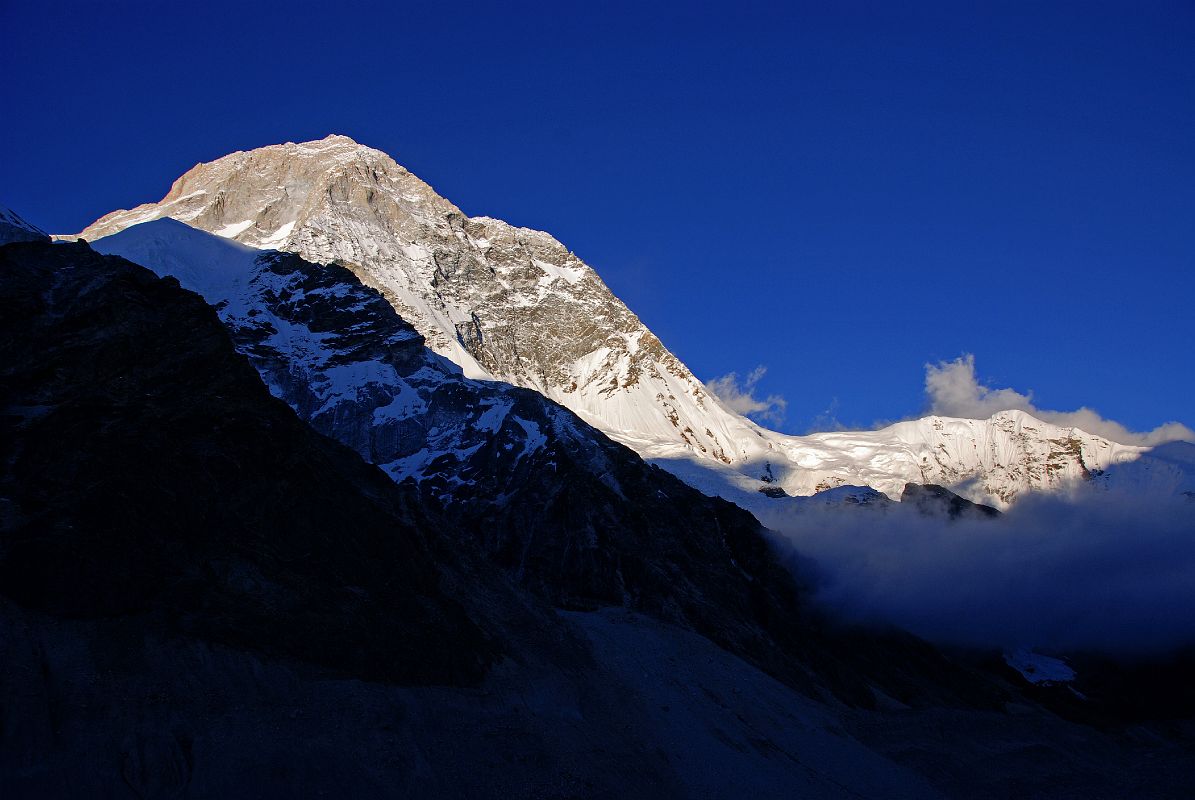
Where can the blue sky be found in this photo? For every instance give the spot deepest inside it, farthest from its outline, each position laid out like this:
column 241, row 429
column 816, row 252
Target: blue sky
column 840, row 192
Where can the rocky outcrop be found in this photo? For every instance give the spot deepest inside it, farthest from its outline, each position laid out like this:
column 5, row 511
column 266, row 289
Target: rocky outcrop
column 934, row 501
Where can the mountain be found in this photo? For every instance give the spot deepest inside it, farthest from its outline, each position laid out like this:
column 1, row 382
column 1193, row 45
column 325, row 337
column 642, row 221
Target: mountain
column 505, row 303
column 15, row 229
column 990, row 461
column 513, row 304
column 201, row 595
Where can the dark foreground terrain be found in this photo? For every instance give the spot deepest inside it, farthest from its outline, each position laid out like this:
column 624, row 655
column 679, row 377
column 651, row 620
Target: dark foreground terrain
column 202, row 596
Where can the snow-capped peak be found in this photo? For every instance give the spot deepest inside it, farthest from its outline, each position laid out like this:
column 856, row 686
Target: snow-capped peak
column 503, row 302
column 516, row 305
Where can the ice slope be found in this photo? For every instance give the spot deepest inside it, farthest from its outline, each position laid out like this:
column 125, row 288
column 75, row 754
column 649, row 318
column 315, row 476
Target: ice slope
column 513, row 304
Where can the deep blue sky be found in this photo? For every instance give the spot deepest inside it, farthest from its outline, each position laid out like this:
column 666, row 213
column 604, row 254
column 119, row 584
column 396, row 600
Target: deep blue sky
column 840, row 191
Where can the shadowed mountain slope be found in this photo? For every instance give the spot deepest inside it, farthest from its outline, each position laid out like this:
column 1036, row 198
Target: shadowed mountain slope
column 146, row 470
column 572, row 515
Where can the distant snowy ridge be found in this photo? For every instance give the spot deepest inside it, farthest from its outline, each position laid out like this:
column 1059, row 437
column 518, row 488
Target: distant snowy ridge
column 991, row 461
column 513, row 304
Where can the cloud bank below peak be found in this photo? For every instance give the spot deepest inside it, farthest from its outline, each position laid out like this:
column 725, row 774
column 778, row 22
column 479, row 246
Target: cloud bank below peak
column 1102, row 571
column 953, row 390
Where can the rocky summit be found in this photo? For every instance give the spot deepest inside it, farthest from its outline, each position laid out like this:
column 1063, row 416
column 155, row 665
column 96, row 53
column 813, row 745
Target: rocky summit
column 515, row 305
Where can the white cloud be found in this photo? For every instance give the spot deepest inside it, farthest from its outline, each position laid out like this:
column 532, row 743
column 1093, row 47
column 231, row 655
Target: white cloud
column 827, row 420
column 740, row 397
column 953, row 391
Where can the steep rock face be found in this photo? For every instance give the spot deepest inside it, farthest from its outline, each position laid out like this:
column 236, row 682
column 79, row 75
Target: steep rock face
column 515, row 305
column 146, row 471
column 503, row 302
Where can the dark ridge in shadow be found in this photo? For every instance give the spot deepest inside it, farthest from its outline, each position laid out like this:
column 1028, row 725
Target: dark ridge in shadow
column 147, row 471
column 933, row 500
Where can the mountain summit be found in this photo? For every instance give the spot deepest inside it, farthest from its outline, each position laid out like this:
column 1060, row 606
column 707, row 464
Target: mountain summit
column 514, row 304
column 504, row 303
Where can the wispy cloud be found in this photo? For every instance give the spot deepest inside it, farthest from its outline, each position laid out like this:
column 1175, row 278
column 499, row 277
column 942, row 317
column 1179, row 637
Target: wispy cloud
column 827, row 420
column 953, row 390
column 740, row 397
